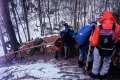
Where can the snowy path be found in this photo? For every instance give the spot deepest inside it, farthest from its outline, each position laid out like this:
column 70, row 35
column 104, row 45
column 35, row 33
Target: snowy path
column 44, row 70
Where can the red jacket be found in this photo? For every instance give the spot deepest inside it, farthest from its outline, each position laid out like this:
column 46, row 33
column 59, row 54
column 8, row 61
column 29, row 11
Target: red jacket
column 107, row 21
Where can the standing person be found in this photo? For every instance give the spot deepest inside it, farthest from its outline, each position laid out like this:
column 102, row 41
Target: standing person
column 89, row 60
column 67, row 36
column 104, row 39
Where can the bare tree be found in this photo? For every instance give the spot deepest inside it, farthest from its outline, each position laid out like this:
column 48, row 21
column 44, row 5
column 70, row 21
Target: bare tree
column 20, row 23
column 25, row 13
column 48, row 15
column 40, row 16
column 8, row 24
column 75, row 15
column 16, row 22
column 2, row 40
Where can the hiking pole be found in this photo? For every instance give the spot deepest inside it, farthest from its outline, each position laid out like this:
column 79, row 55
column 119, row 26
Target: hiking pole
column 88, row 58
column 114, row 52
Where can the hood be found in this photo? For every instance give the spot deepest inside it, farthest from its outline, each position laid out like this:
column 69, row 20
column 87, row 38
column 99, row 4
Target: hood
column 107, row 16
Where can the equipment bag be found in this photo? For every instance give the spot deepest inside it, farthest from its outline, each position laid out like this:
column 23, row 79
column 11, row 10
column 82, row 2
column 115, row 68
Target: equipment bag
column 83, row 35
column 106, row 40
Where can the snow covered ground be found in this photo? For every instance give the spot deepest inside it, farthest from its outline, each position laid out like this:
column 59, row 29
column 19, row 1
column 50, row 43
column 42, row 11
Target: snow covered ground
column 36, row 70
column 40, row 70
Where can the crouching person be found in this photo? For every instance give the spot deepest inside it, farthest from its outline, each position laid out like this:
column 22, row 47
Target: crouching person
column 103, row 38
column 59, row 49
column 82, row 39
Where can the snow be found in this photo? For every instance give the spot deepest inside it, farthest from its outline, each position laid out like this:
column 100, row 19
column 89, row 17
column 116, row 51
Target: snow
column 1, row 49
column 42, row 70
column 36, row 70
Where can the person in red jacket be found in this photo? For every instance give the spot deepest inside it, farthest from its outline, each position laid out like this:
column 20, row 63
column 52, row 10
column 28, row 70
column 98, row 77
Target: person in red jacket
column 104, row 39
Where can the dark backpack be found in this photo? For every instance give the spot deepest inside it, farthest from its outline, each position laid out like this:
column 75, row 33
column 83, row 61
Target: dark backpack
column 107, row 39
column 67, row 37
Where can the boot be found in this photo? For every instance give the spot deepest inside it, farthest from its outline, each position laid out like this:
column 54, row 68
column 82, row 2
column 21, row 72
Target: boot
column 94, row 76
column 80, row 64
column 89, row 67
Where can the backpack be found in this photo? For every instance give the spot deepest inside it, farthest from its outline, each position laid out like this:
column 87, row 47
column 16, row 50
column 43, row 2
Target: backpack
column 67, row 38
column 82, row 38
column 106, row 40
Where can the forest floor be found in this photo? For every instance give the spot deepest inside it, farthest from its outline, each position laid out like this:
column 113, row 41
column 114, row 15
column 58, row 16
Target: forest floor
column 42, row 67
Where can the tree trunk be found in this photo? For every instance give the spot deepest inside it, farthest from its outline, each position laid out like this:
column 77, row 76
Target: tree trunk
column 75, row 15
column 3, row 41
column 25, row 12
column 13, row 10
column 40, row 17
column 4, row 9
column 106, row 4
column 48, row 5
column 84, row 12
column 21, row 23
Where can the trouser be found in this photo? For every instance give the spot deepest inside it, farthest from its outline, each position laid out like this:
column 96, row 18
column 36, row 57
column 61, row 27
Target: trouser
column 83, row 53
column 69, row 52
column 89, row 61
column 99, row 68
column 59, row 54
column 90, row 54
